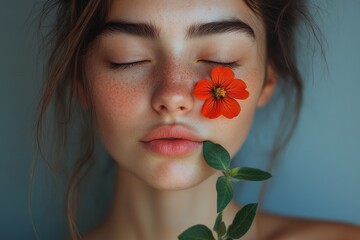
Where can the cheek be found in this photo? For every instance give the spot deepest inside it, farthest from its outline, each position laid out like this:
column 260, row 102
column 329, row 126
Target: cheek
column 234, row 131
column 116, row 103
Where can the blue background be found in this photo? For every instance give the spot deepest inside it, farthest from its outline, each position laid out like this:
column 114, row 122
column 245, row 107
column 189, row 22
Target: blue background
column 317, row 176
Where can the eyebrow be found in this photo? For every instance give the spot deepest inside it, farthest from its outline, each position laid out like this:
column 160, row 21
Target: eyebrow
column 149, row 30
column 232, row 25
column 146, row 30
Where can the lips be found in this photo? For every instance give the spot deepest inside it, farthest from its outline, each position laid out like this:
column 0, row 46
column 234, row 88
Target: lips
column 172, row 141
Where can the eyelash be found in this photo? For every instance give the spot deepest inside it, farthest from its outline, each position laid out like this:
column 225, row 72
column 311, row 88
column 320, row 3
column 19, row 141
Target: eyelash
column 132, row 64
column 224, row 64
column 126, row 65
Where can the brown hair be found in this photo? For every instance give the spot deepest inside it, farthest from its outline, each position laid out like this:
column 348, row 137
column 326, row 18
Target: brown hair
column 76, row 25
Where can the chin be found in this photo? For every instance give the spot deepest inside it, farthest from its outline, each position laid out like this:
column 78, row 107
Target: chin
column 164, row 172
column 174, row 175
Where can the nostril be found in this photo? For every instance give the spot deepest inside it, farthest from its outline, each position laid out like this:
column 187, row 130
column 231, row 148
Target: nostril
column 164, row 108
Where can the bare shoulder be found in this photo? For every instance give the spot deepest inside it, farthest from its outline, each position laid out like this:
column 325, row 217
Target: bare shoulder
column 275, row 227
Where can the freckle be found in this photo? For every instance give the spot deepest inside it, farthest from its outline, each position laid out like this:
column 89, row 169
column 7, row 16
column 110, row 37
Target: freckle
column 175, row 73
column 117, row 96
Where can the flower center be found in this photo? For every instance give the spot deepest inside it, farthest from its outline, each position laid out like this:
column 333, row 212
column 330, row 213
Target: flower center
column 219, row 92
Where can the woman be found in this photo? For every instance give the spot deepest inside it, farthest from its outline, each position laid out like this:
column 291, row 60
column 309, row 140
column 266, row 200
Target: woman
column 132, row 67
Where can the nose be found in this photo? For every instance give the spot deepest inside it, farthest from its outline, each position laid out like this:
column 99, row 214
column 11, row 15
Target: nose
column 172, row 93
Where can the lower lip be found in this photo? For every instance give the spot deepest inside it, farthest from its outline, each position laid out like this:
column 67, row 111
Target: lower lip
column 176, row 147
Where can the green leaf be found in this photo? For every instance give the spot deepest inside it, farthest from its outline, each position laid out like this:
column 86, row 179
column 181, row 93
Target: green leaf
column 217, row 222
column 222, row 229
column 197, row 232
column 225, row 192
column 234, row 171
column 251, row 174
column 242, row 221
column 219, row 226
column 216, row 156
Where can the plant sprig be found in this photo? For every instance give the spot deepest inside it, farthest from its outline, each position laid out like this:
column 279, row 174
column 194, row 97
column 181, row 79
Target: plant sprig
column 218, row 158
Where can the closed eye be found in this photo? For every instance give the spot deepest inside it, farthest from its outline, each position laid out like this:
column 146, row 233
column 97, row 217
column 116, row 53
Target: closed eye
column 127, row 65
column 224, row 64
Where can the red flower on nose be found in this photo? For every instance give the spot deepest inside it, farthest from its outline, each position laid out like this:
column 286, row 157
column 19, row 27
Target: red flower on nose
column 220, row 93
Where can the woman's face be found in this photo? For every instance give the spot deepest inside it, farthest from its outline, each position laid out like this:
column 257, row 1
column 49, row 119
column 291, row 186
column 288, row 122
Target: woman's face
column 143, row 70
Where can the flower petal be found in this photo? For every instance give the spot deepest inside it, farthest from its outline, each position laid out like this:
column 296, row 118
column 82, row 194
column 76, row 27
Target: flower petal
column 211, row 108
column 237, row 89
column 216, row 75
column 227, row 77
column 230, row 108
column 203, row 89
column 222, row 76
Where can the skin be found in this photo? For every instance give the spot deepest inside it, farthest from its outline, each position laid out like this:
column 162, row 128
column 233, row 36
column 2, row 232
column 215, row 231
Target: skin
column 165, row 195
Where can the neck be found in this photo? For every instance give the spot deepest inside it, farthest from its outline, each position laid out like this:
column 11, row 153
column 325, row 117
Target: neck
column 142, row 212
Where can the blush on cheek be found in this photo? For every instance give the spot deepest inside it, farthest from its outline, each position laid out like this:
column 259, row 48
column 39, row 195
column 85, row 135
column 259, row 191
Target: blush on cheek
column 232, row 133
column 117, row 101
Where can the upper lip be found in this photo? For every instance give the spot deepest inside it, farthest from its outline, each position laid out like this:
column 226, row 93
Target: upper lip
column 171, row 132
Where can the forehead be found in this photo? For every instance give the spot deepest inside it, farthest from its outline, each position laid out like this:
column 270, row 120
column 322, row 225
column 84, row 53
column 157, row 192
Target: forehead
column 175, row 16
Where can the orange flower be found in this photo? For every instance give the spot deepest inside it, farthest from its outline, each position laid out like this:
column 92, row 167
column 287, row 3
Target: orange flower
column 220, row 93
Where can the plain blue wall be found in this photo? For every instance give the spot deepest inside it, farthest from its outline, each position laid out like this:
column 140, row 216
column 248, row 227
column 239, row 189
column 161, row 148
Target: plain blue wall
column 17, row 101
column 318, row 175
